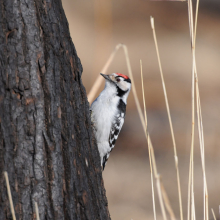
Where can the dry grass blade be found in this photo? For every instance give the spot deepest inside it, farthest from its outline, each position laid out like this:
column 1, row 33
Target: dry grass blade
column 202, row 150
column 158, row 179
column 100, row 79
column 142, row 84
column 157, row 176
column 213, row 214
column 133, row 86
column 37, row 211
column 153, row 165
column 9, row 195
column 189, row 190
column 152, row 156
column 196, row 19
column 167, row 203
column 151, row 171
column 199, row 114
column 200, row 127
column 191, row 169
column 170, row 121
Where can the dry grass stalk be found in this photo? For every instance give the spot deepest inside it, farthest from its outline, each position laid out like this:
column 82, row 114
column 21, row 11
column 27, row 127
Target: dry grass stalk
column 142, row 84
column 100, row 79
column 170, row 121
column 213, row 213
column 191, row 169
column 198, row 104
column 158, row 179
column 151, row 171
column 167, row 203
column 9, row 195
column 200, row 127
column 202, row 150
column 133, row 86
column 37, row 211
column 157, row 176
column 189, row 191
column 152, row 160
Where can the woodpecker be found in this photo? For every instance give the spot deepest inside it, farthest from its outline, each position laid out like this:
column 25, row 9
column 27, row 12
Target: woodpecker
column 108, row 113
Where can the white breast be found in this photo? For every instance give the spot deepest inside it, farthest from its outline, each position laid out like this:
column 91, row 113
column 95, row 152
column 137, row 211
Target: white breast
column 104, row 109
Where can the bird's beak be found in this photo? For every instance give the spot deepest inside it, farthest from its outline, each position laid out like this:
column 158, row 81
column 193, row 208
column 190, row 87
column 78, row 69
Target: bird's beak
column 106, row 77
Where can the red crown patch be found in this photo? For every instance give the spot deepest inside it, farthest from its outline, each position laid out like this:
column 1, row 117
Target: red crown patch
column 122, row 75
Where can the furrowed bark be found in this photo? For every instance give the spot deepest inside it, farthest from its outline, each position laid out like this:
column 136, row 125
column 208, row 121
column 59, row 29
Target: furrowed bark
column 46, row 141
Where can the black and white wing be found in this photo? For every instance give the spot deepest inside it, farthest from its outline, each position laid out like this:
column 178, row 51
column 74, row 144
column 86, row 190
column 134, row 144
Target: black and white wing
column 115, row 130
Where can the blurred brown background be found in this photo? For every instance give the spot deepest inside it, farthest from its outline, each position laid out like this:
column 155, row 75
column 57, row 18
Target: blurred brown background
column 96, row 28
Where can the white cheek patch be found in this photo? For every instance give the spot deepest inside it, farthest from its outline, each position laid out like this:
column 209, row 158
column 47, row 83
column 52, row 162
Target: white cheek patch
column 123, row 85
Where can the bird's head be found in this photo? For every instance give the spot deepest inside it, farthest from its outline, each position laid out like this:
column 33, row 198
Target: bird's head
column 121, row 82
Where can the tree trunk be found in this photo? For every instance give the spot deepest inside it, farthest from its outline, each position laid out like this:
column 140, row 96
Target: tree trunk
column 46, row 141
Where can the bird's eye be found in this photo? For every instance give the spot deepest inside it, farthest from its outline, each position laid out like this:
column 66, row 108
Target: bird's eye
column 118, row 80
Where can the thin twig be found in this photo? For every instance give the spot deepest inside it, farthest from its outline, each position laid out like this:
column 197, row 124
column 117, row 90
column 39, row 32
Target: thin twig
column 9, row 195
column 169, row 117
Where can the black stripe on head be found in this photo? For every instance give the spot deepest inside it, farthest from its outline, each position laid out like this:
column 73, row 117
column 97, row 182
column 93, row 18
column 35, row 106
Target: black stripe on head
column 127, row 80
